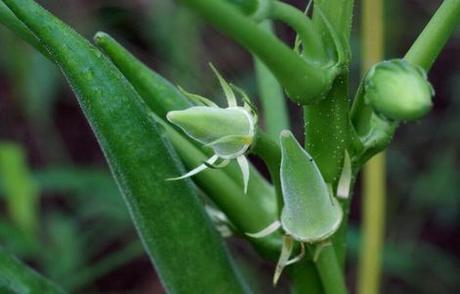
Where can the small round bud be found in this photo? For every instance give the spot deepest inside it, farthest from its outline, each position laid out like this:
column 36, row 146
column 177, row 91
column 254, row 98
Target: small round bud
column 398, row 90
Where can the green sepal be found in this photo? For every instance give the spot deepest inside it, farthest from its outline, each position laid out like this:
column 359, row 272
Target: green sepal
column 209, row 125
column 310, row 213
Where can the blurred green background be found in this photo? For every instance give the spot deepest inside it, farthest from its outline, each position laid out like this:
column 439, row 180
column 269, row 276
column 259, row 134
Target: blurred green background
column 62, row 213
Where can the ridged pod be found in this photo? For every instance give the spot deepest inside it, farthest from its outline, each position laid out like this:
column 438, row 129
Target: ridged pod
column 168, row 215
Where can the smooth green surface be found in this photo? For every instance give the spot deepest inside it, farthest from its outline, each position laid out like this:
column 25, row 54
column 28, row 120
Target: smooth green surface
column 429, row 44
column 247, row 6
column 326, row 130
column 313, row 46
column 271, row 95
column 210, row 124
column 173, row 226
column 16, row 277
column 303, row 81
column 8, row 19
column 310, row 213
column 163, row 96
column 398, row 90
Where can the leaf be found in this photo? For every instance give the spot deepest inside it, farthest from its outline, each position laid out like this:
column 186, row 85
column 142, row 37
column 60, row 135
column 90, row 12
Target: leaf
column 173, row 226
column 310, row 213
column 20, row 189
column 17, row 277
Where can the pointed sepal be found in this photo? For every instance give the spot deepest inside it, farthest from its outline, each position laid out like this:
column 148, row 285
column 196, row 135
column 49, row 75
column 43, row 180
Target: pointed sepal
column 310, row 213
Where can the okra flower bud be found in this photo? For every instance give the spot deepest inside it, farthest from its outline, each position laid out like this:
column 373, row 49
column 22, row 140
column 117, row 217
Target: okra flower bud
column 228, row 131
column 398, row 90
column 311, row 214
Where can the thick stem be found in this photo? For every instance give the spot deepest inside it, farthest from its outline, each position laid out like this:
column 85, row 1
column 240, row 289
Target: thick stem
column 329, row 269
column 304, row 278
column 429, row 44
column 270, row 152
column 303, row 81
column 327, row 131
column 312, row 43
column 271, row 96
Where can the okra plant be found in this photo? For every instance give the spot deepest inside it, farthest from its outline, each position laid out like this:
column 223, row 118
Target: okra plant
column 180, row 159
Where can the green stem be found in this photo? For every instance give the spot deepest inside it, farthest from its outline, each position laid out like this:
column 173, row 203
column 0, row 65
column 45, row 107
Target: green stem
column 339, row 13
column 429, row 44
column 305, row 278
column 327, row 126
column 248, row 213
column 270, row 152
column 271, row 96
column 330, row 117
column 303, row 81
column 303, row 25
column 329, row 269
column 373, row 230
column 374, row 174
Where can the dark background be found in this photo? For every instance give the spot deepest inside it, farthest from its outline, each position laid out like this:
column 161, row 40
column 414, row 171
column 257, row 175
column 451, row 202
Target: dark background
column 82, row 236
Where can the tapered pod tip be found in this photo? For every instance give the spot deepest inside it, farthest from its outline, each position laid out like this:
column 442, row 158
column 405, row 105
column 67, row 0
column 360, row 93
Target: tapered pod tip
column 99, row 37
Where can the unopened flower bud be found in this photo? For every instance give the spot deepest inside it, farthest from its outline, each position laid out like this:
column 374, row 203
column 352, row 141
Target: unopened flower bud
column 228, row 131
column 398, row 90
column 311, row 213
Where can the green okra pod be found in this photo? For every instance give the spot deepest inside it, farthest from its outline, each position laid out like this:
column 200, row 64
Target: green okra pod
column 168, row 215
column 157, row 92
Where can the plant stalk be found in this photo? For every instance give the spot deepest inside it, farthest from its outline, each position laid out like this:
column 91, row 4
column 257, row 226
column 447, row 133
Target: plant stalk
column 270, row 152
column 303, row 81
column 271, row 95
column 329, row 270
column 330, row 117
column 303, row 25
column 430, row 42
column 374, row 175
column 373, row 227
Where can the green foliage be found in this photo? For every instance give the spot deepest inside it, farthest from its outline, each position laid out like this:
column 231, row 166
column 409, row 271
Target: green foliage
column 17, row 277
column 107, row 98
column 83, row 215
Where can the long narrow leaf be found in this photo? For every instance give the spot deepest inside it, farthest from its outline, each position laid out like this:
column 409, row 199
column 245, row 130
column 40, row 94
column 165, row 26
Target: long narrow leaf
column 16, row 277
column 182, row 244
